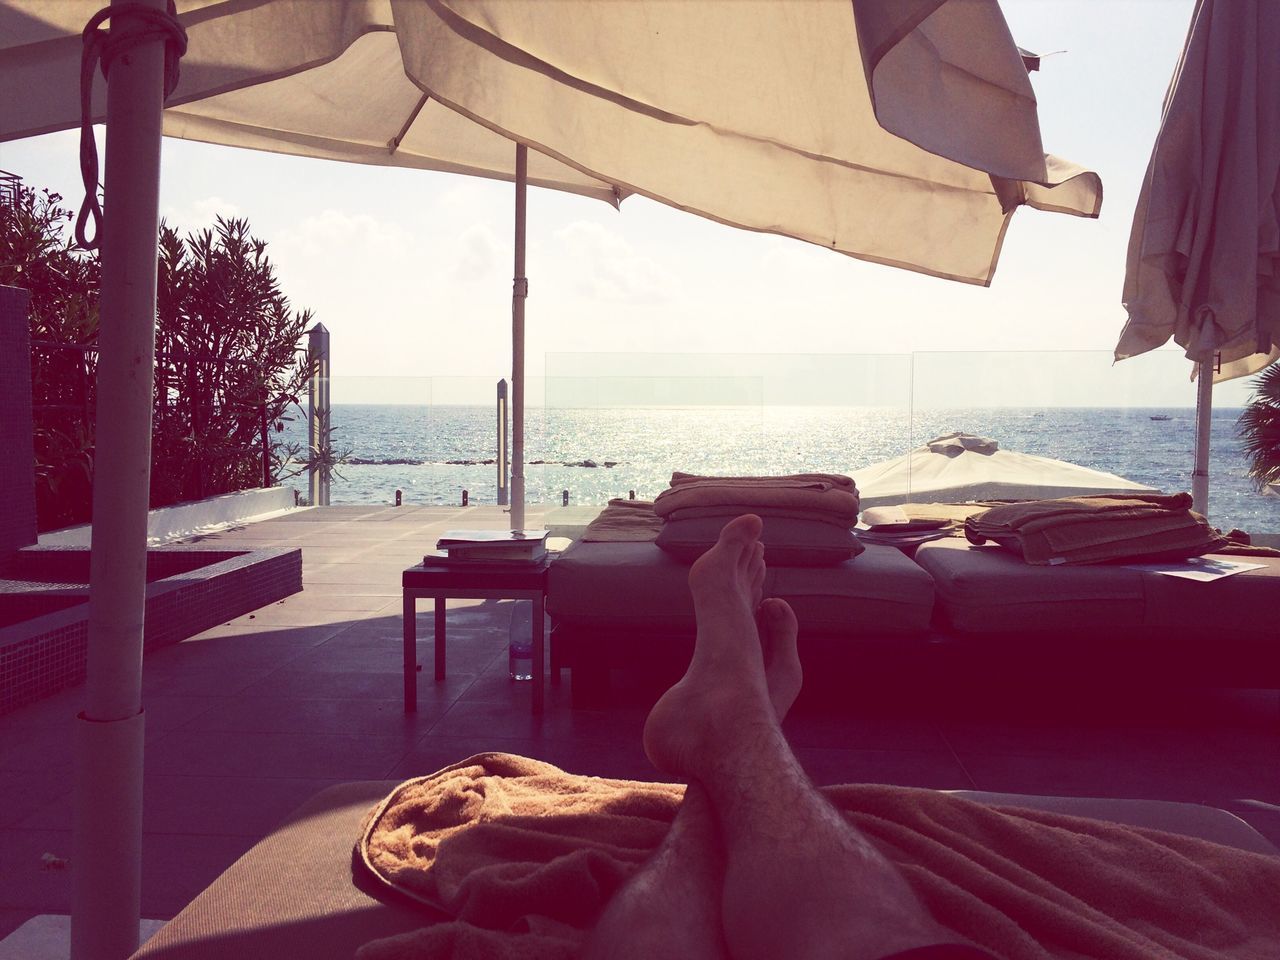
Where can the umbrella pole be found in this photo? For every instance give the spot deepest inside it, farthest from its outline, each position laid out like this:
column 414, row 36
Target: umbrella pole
column 519, row 292
column 1204, row 423
column 107, row 835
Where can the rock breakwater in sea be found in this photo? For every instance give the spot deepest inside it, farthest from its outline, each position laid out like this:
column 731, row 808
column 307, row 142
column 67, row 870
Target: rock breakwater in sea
column 410, row 462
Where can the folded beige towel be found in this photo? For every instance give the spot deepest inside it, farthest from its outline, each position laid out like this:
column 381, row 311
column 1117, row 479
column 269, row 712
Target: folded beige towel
column 1097, row 528
column 624, row 521
column 837, row 481
column 826, row 496
column 525, row 857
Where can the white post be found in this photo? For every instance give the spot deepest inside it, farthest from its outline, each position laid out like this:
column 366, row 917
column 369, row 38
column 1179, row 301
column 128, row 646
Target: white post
column 107, row 871
column 1204, row 426
column 319, row 415
column 519, row 292
column 502, row 444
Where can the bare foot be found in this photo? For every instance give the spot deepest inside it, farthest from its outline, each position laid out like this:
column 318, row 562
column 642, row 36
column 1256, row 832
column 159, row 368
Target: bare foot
column 725, row 691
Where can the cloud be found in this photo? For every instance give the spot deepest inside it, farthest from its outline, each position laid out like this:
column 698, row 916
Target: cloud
column 476, row 256
column 795, row 259
column 604, row 266
column 199, row 214
column 352, row 266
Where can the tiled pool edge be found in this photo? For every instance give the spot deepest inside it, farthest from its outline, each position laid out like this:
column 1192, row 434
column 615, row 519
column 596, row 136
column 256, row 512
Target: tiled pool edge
column 41, row 656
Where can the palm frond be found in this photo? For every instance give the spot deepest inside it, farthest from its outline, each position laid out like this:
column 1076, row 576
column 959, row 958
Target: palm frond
column 1259, row 428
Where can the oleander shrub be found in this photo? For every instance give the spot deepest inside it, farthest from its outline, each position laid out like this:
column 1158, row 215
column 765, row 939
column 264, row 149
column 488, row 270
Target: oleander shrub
column 228, row 363
column 37, row 253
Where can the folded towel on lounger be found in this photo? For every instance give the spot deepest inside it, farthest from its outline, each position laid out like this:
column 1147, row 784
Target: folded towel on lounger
column 525, row 857
column 1099, row 528
column 624, row 521
column 828, row 496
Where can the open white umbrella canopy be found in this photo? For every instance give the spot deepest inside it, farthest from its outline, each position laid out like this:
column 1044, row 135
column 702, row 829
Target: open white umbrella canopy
column 1203, row 265
column 959, row 468
column 758, row 115
column 901, row 132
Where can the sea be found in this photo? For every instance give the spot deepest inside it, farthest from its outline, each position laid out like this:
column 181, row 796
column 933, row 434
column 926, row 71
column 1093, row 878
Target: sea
column 433, row 454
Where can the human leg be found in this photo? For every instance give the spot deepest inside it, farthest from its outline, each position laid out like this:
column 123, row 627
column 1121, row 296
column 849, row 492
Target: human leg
column 799, row 880
column 671, row 907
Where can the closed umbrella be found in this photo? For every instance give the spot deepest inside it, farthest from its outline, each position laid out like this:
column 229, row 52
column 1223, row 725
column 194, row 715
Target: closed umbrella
column 767, row 116
column 1204, row 254
column 960, row 467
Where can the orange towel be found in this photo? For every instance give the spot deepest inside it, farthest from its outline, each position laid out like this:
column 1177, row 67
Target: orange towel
column 526, row 856
column 1097, row 528
column 818, row 495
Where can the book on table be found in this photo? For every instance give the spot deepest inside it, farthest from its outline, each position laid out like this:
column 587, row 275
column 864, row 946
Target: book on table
column 490, row 546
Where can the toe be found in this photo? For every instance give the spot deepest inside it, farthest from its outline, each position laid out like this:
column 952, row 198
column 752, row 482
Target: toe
column 741, row 531
column 782, row 627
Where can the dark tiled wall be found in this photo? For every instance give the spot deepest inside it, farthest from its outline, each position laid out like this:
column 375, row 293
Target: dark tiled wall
column 41, row 657
column 17, row 456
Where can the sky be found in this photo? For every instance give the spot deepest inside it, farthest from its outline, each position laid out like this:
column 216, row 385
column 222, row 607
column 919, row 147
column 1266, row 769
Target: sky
column 411, row 270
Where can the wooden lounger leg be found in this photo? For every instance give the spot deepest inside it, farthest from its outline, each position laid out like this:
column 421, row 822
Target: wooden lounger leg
column 410, row 653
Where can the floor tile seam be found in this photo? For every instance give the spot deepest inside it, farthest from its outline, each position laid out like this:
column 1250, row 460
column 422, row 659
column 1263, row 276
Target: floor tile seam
column 198, row 668
column 320, row 782
column 308, row 732
column 393, row 539
column 438, row 720
column 371, row 740
column 1088, row 760
column 230, row 690
column 62, row 759
column 973, row 783
column 941, row 749
column 527, row 739
column 398, row 701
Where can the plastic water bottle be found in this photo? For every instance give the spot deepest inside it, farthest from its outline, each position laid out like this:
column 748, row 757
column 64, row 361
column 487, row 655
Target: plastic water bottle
column 520, row 658
column 520, row 647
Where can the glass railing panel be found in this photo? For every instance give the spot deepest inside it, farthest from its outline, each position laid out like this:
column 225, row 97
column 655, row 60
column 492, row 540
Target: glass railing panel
column 1135, row 419
column 727, row 414
column 418, row 435
column 612, row 436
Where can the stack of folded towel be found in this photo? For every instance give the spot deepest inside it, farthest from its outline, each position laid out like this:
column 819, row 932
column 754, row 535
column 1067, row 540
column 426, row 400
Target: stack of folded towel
column 1095, row 529
column 808, row 517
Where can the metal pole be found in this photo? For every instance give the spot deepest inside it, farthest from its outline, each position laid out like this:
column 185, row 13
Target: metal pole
column 1204, row 424
column 519, row 292
column 106, row 895
column 318, row 414
column 504, row 465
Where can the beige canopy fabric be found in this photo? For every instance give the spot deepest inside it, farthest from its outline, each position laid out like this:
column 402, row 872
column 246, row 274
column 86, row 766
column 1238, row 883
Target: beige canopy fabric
column 959, row 467
column 759, row 115
column 1204, row 254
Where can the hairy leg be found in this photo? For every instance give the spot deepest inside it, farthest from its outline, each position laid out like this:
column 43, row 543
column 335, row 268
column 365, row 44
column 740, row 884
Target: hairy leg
column 671, row 907
column 799, row 880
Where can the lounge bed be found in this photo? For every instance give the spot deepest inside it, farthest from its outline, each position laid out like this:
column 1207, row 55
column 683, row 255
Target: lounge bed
column 619, row 605
column 627, row 605
column 1093, row 619
column 295, row 893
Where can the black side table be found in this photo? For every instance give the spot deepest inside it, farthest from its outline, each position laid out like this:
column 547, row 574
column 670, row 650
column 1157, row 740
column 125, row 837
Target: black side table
column 478, row 581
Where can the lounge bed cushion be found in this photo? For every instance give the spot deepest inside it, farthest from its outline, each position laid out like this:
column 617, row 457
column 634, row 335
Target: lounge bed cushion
column 987, row 590
column 788, row 541
column 629, row 586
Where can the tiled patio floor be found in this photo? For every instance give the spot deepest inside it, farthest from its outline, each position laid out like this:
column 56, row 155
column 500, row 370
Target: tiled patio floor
column 248, row 719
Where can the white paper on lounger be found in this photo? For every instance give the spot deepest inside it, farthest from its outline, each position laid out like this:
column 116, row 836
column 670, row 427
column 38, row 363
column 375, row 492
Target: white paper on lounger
column 1203, row 569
